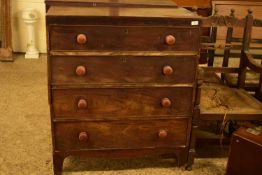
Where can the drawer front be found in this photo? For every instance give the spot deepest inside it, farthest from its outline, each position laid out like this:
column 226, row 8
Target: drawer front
column 121, row 134
column 75, row 70
column 124, row 38
column 122, row 102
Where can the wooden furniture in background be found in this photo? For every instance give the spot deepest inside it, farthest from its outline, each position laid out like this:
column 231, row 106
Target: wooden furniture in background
column 245, row 152
column 202, row 7
column 234, row 36
column 5, row 32
column 122, row 81
column 224, row 7
column 194, row 3
column 218, row 102
column 252, row 55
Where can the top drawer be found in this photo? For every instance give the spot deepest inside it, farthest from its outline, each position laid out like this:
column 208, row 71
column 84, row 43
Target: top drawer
column 124, row 38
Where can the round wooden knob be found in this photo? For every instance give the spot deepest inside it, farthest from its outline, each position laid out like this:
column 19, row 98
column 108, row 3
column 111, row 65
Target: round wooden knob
column 167, row 70
column 166, row 102
column 170, row 40
column 162, row 133
column 82, row 104
column 80, row 70
column 83, row 136
column 81, row 38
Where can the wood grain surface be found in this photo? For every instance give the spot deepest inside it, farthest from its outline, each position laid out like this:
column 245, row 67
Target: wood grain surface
column 122, row 102
column 121, row 134
column 123, row 38
column 123, row 69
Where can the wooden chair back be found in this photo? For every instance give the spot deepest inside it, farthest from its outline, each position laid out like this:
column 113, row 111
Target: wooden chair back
column 232, row 47
column 251, row 55
column 218, row 100
column 210, row 46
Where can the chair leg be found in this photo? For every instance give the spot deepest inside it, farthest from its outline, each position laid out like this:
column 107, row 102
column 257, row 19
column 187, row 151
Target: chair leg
column 211, row 53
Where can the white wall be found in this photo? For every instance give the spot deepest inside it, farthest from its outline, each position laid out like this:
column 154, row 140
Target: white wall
column 19, row 32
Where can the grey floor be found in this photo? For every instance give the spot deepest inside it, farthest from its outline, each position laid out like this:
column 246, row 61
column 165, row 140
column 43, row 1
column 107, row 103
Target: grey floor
column 25, row 141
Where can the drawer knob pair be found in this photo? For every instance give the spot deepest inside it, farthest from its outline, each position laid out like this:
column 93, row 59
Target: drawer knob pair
column 80, row 70
column 170, row 40
column 83, row 136
column 81, row 38
column 166, row 102
column 168, row 70
column 82, row 104
column 162, row 134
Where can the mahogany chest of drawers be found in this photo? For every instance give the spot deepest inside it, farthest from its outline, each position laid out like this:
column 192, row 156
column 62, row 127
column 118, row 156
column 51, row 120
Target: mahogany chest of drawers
column 122, row 78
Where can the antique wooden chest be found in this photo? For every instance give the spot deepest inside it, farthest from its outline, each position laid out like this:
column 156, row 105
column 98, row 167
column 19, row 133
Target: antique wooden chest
column 122, row 78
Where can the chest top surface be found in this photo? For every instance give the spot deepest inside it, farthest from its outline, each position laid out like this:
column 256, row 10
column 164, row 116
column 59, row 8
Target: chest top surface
column 117, row 8
column 119, row 12
column 162, row 3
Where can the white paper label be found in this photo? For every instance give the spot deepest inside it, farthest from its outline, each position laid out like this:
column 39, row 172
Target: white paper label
column 194, row 23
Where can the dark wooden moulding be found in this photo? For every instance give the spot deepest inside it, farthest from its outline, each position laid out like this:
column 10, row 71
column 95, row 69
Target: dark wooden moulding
column 5, row 30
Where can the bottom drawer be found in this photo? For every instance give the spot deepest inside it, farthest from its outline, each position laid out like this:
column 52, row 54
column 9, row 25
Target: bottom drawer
column 122, row 134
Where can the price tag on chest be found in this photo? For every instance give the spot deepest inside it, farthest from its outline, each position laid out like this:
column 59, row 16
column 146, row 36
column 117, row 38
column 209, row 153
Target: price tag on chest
column 194, row 23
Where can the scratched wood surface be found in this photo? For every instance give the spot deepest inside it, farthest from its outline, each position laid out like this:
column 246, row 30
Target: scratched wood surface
column 120, row 134
column 96, row 3
column 123, row 38
column 126, row 69
column 124, row 98
column 122, row 102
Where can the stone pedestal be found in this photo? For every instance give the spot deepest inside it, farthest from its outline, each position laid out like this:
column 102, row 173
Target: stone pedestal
column 29, row 16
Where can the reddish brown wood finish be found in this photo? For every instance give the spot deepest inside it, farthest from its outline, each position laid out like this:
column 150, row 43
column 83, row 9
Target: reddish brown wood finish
column 113, row 3
column 122, row 83
column 245, row 153
column 123, row 69
column 122, row 102
column 6, row 32
column 121, row 134
column 125, row 38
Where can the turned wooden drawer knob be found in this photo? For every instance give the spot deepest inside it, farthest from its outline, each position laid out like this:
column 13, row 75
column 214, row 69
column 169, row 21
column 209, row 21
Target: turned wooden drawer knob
column 82, row 104
column 80, row 70
column 83, row 136
column 170, row 40
column 162, row 134
column 168, row 70
column 81, row 39
column 166, row 102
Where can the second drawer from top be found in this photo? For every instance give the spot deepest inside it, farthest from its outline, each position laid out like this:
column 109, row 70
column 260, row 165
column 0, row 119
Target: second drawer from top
column 123, row 69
